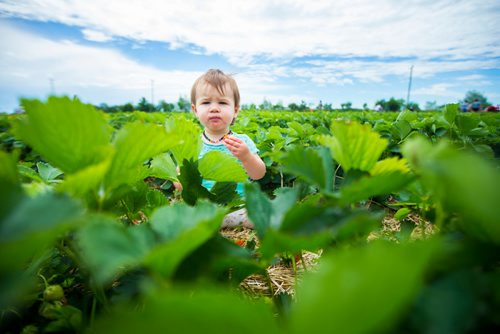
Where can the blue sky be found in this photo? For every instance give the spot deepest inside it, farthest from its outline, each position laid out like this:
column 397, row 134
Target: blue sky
column 356, row 51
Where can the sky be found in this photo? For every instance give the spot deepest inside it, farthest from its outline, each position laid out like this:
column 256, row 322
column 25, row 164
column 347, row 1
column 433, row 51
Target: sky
column 357, row 51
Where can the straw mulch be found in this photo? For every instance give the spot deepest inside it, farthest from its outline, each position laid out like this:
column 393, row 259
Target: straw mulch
column 390, row 226
column 282, row 278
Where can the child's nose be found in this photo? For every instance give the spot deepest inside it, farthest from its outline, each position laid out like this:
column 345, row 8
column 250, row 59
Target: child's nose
column 214, row 107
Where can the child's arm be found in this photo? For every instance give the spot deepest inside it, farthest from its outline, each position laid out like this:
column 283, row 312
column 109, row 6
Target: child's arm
column 253, row 164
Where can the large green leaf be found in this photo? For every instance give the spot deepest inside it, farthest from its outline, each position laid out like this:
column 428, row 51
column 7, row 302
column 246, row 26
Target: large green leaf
column 360, row 290
column 401, row 129
column 190, row 133
column 462, row 183
column 134, row 144
column 221, row 167
column 265, row 213
column 182, row 229
column 88, row 179
column 368, row 186
column 34, row 224
column 190, row 178
column 466, row 124
column 67, row 133
column 10, row 187
column 109, row 248
column 190, row 311
column 450, row 112
column 315, row 166
column 354, row 146
column 164, row 167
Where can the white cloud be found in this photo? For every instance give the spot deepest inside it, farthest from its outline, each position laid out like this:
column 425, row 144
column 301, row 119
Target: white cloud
column 100, row 74
column 352, row 42
column 96, row 36
column 76, row 69
column 282, row 28
column 439, row 89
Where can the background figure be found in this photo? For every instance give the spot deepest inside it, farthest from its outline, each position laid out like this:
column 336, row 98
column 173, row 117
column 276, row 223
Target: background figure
column 476, row 105
column 464, row 106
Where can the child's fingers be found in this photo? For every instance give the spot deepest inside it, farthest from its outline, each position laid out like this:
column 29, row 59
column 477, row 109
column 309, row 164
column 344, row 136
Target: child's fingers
column 232, row 139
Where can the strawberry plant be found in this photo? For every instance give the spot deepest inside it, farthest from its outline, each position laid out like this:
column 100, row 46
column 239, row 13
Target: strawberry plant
column 92, row 241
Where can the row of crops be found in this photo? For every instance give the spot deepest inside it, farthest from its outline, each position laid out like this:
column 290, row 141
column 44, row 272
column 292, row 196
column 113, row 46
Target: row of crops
column 94, row 237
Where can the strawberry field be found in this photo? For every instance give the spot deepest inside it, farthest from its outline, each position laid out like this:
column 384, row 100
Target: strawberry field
column 94, row 237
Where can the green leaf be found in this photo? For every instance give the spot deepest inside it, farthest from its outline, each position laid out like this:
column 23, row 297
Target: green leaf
column 88, row 179
column 190, row 179
column 134, row 144
column 402, row 213
column 276, row 242
column 450, row 112
column 305, row 219
column 466, row 124
column 312, row 165
column 164, row 167
column 344, row 295
column 34, row 224
column 390, row 165
column 11, row 192
column 190, row 133
column 265, row 213
column 221, row 167
column 401, row 128
column 224, row 192
column 368, row 186
column 462, row 183
column 109, row 248
column 187, row 310
column 47, row 172
column 457, row 296
column 182, row 229
column 67, row 133
column 354, row 146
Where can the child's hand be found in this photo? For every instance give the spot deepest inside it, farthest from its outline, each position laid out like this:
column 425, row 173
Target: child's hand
column 237, row 147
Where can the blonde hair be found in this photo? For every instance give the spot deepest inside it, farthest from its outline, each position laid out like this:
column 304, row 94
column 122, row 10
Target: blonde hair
column 217, row 79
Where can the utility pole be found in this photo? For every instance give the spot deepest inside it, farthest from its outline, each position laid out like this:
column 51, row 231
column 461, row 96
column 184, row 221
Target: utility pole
column 409, row 87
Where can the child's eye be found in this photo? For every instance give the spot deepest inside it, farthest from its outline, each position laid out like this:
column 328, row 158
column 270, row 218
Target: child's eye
column 223, row 102
column 205, row 102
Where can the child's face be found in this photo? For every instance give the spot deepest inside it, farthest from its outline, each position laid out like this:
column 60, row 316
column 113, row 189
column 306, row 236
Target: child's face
column 215, row 111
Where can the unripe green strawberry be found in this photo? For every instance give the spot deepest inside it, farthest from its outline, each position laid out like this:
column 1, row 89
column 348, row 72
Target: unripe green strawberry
column 50, row 311
column 53, row 292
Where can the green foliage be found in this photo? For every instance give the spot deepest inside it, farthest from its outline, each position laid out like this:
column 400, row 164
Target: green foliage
column 460, row 182
column 109, row 248
column 68, row 133
column 221, row 167
column 191, row 141
column 130, row 255
column 134, row 144
column 208, row 310
column 328, row 302
column 314, row 165
column 354, row 146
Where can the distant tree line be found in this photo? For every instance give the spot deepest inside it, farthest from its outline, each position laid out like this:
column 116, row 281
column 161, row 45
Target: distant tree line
column 392, row 104
column 182, row 105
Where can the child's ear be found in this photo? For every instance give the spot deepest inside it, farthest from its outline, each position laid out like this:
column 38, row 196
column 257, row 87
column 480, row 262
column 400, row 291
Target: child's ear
column 193, row 108
column 236, row 110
